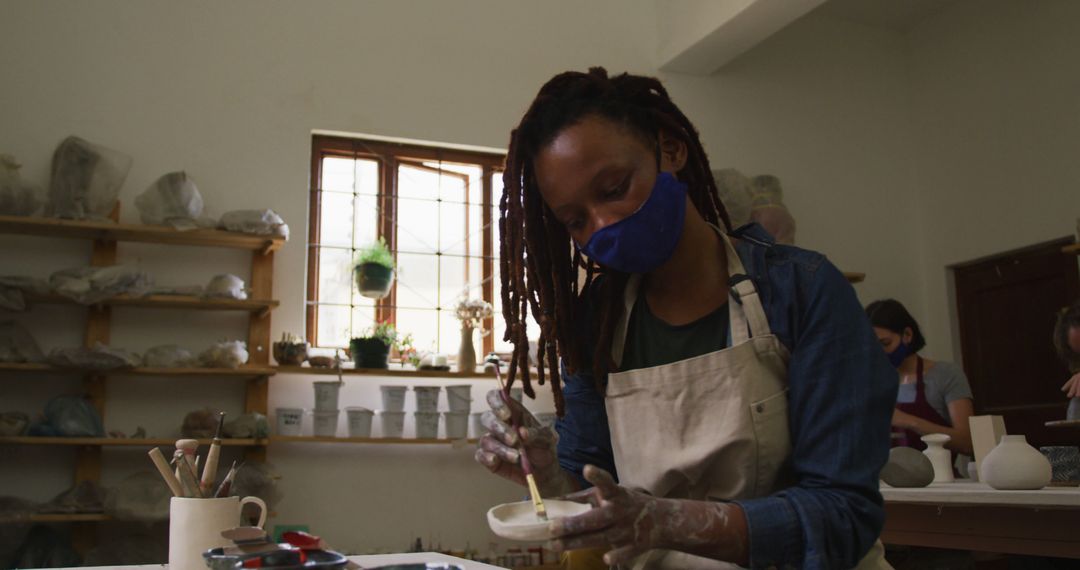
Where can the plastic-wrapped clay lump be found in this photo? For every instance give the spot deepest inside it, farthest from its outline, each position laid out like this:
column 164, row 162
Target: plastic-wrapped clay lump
column 17, row 196
column 172, row 200
column 86, row 180
column 167, row 356
column 258, row 222
column 226, row 286
column 735, row 193
column 225, row 354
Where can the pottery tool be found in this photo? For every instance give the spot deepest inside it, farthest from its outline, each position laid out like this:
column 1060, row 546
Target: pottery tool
column 167, row 474
column 209, row 472
column 188, row 481
column 526, row 466
column 188, row 447
column 226, row 484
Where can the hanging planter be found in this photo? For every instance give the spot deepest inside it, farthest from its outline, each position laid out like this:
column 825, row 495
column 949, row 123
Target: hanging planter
column 374, row 270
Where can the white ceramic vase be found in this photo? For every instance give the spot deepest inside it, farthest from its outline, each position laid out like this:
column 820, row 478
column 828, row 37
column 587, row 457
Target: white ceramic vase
column 1015, row 465
column 940, row 457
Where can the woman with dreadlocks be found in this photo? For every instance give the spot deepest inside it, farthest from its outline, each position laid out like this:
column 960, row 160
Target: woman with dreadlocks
column 722, row 399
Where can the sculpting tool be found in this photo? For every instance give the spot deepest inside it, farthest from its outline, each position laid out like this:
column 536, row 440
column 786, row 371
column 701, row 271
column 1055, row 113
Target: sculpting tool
column 188, row 481
column 226, row 484
column 209, row 473
column 167, row 474
column 526, row 466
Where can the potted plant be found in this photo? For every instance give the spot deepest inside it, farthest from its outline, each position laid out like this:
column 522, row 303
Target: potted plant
column 374, row 270
column 471, row 313
column 373, row 350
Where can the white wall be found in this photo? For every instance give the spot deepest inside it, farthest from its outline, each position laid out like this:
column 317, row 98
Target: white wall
column 231, row 91
column 997, row 119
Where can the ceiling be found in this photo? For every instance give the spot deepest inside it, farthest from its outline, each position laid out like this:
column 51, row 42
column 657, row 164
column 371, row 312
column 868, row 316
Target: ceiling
column 897, row 15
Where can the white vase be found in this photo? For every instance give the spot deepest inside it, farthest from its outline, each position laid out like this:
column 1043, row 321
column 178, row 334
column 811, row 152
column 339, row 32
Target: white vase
column 1015, row 465
column 940, row 457
column 466, row 353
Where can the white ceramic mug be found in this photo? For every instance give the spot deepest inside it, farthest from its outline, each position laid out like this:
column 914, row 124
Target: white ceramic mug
column 195, row 526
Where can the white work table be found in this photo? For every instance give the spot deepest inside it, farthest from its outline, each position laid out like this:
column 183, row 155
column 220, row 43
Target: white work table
column 973, row 516
column 367, row 561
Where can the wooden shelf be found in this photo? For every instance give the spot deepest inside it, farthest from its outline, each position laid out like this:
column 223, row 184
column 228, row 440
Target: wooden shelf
column 1071, row 249
column 119, row 441
column 108, row 231
column 392, row 371
column 242, row 372
column 366, row 440
column 1063, row 423
column 854, row 277
column 169, row 302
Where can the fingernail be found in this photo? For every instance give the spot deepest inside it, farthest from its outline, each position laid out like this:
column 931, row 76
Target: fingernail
column 517, row 456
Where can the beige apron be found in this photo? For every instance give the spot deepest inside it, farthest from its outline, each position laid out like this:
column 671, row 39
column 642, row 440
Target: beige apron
column 712, row 427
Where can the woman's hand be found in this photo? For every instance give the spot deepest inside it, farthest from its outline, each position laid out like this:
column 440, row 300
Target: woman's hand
column 631, row 522
column 904, row 420
column 1072, row 387
column 500, row 449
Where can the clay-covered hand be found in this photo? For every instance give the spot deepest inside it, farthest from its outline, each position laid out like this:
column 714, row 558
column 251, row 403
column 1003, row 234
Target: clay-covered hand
column 1072, row 387
column 500, row 448
column 630, row 522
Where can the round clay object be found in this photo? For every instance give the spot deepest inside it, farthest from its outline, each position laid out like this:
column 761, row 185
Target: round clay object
column 518, row 521
column 907, row 467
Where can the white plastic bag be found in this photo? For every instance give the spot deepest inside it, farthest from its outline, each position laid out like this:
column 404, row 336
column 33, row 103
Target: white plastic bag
column 17, row 344
column 769, row 210
column 17, row 196
column 172, row 200
column 89, row 285
column 86, row 179
column 735, row 195
column 13, row 289
column 258, row 222
column 168, row 356
column 226, row 286
column 225, row 354
column 100, row 357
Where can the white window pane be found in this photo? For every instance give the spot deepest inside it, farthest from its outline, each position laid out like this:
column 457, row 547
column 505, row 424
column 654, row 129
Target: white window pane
column 475, row 277
column 452, row 228
column 366, row 220
column 418, row 226
column 363, row 317
column 476, row 230
column 422, row 324
column 335, row 275
column 417, row 281
column 333, row 326
column 476, row 186
column 367, row 177
column 452, row 188
column 417, row 183
column 336, row 219
column 452, row 286
column 337, row 174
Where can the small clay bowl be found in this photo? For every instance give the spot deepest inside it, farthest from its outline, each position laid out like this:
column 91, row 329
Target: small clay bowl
column 518, row 521
column 321, row 361
column 290, row 353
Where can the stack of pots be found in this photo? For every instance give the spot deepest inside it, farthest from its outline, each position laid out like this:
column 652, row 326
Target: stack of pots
column 459, row 402
column 326, row 408
column 427, row 411
column 392, row 415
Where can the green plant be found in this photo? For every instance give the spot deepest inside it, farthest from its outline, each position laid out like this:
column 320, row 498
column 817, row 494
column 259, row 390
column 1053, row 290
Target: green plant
column 384, row 332
column 377, row 253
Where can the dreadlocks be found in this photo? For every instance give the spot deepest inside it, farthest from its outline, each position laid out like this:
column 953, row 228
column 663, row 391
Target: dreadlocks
column 539, row 266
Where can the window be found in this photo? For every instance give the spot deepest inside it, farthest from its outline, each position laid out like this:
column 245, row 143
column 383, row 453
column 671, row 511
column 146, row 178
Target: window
column 434, row 207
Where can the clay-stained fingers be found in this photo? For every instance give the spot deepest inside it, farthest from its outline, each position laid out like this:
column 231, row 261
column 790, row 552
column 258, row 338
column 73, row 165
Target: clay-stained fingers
column 602, row 481
column 499, row 428
column 599, row 539
column 507, row 409
column 595, row 520
column 622, row 555
column 504, row 452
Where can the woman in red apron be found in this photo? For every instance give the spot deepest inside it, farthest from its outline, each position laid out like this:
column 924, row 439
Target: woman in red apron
column 934, row 396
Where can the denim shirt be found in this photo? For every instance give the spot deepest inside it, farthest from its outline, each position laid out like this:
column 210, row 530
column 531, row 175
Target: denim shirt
column 840, row 403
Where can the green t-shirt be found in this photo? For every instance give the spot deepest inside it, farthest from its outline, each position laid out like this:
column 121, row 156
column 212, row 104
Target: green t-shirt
column 652, row 342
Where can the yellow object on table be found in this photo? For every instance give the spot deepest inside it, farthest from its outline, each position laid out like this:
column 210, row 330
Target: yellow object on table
column 584, row 559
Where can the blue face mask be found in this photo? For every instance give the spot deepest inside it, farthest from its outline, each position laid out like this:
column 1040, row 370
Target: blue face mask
column 897, row 356
column 644, row 240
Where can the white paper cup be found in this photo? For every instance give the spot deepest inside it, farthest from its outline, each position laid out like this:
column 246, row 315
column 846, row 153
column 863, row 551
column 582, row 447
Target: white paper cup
column 195, row 526
column 392, row 423
column 290, row 421
column 478, row 428
column 457, row 425
column 459, row 398
column 326, row 423
column 427, row 398
column 326, row 396
column 393, row 398
column 359, row 421
column 547, row 419
column 427, row 425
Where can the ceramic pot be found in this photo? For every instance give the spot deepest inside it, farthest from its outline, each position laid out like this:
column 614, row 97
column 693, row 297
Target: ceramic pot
column 939, row 457
column 373, row 280
column 467, row 353
column 1015, row 465
column 369, row 353
column 290, row 353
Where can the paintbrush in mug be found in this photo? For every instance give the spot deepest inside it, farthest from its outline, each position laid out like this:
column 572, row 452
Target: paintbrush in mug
column 209, row 473
column 226, row 484
column 526, row 465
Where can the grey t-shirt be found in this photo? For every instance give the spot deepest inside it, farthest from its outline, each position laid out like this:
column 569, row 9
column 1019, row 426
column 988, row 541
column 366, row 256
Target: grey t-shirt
column 945, row 383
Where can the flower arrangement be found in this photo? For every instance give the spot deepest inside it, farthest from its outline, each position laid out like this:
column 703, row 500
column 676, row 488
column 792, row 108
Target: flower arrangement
column 472, row 312
column 407, row 351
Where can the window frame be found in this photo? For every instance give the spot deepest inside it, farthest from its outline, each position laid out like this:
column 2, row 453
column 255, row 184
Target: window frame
column 389, row 155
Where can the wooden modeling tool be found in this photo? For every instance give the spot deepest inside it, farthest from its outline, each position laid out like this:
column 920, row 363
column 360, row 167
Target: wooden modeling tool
column 167, row 474
column 188, row 481
column 209, row 473
column 526, row 466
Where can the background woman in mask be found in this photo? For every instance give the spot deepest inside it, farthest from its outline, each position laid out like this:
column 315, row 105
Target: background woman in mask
column 722, row 398
column 934, row 396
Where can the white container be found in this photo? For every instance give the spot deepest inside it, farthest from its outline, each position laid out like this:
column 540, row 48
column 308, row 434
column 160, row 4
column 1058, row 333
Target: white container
column 459, row 398
column 939, row 457
column 392, row 423
column 517, row 393
column 427, row 398
column 547, row 419
column 393, row 398
column 195, row 526
column 457, row 425
column 326, row 423
column 1015, row 465
column 326, row 396
column 290, row 421
column 427, row 425
column 359, row 421
column 478, row 428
